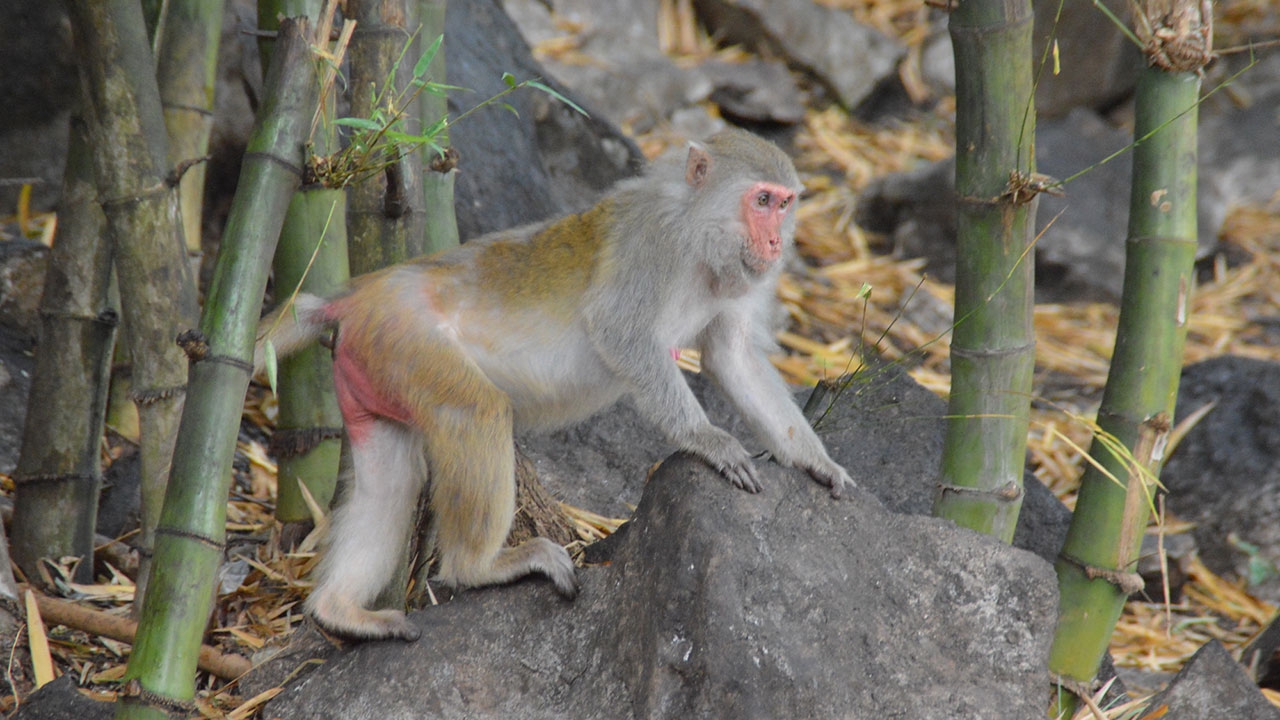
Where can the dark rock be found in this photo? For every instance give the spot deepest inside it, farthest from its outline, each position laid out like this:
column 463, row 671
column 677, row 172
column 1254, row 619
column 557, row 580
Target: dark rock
column 514, row 170
column 1179, row 552
column 22, row 270
column 40, row 84
column 1212, row 686
column 1225, row 474
column 723, row 604
column 16, row 366
column 1261, row 657
column 849, row 58
column 59, row 700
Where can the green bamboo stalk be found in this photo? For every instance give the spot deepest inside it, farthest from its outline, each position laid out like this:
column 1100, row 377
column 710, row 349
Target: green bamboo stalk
column 441, row 222
column 186, row 66
column 157, row 293
column 384, row 212
column 993, row 345
column 192, row 528
column 1113, row 506
column 59, row 469
column 311, row 257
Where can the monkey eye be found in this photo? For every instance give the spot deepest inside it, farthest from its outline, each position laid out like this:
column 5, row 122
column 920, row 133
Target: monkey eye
column 784, row 204
column 763, row 199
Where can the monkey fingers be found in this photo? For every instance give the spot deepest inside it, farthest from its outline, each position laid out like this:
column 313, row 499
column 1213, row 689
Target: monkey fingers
column 832, row 476
column 723, row 452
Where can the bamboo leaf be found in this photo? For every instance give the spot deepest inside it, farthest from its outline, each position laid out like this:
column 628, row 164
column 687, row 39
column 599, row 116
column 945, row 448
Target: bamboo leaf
column 359, row 123
column 539, row 86
column 424, row 62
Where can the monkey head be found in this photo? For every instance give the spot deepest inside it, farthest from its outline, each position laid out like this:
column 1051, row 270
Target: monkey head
column 755, row 183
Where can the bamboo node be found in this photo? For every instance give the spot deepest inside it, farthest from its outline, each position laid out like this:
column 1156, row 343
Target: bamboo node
column 194, row 344
column 445, row 162
column 187, row 534
column 151, row 396
column 1024, row 187
column 161, row 189
column 1009, row 492
column 1082, row 689
column 107, row 317
column 175, row 175
column 54, row 478
column 292, row 442
column 133, row 692
column 234, row 362
column 1126, row 582
column 1178, row 40
column 275, row 159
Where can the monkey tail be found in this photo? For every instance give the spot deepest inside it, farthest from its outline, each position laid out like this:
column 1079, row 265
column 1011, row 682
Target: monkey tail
column 290, row 328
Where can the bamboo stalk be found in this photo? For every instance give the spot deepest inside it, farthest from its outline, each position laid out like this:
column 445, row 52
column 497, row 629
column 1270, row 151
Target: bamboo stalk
column 158, row 298
column 59, row 469
column 1114, row 502
column 441, row 221
column 311, row 257
column 993, row 345
column 384, row 212
column 186, row 67
column 161, row 671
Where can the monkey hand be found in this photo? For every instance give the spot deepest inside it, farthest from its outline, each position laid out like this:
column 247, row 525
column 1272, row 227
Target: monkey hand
column 831, row 475
column 723, row 452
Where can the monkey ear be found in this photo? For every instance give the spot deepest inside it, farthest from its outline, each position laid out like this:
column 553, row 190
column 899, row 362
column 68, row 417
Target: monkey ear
column 698, row 166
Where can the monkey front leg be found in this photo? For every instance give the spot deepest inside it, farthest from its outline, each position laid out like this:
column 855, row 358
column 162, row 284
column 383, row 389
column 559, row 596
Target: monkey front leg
column 663, row 397
column 762, row 398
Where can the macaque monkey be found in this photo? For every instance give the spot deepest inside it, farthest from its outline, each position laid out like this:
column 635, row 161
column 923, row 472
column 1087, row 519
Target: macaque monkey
column 439, row 360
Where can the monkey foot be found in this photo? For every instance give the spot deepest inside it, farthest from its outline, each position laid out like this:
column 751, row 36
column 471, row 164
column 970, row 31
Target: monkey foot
column 345, row 618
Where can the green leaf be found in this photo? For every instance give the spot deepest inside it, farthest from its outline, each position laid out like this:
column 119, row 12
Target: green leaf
column 406, row 138
column 509, row 79
column 424, row 62
column 359, row 123
column 539, row 86
column 512, row 109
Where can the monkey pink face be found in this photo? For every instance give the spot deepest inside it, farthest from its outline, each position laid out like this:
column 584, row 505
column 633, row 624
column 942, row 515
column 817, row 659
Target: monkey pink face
column 764, row 208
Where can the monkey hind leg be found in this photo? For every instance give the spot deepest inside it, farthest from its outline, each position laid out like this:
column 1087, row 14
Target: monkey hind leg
column 473, row 491
column 368, row 533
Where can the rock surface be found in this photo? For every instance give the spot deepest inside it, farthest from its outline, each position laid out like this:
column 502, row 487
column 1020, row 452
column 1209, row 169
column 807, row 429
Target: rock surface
column 1225, row 474
column 723, row 604
column 1211, row 686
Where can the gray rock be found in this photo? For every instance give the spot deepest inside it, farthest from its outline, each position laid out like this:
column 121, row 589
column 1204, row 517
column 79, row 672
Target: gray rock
column 1212, row 686
column 848, row 58
column 724, row 604
column 885, row 429
column 625, row 76
column 1081, row 251
column 1098, row 64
